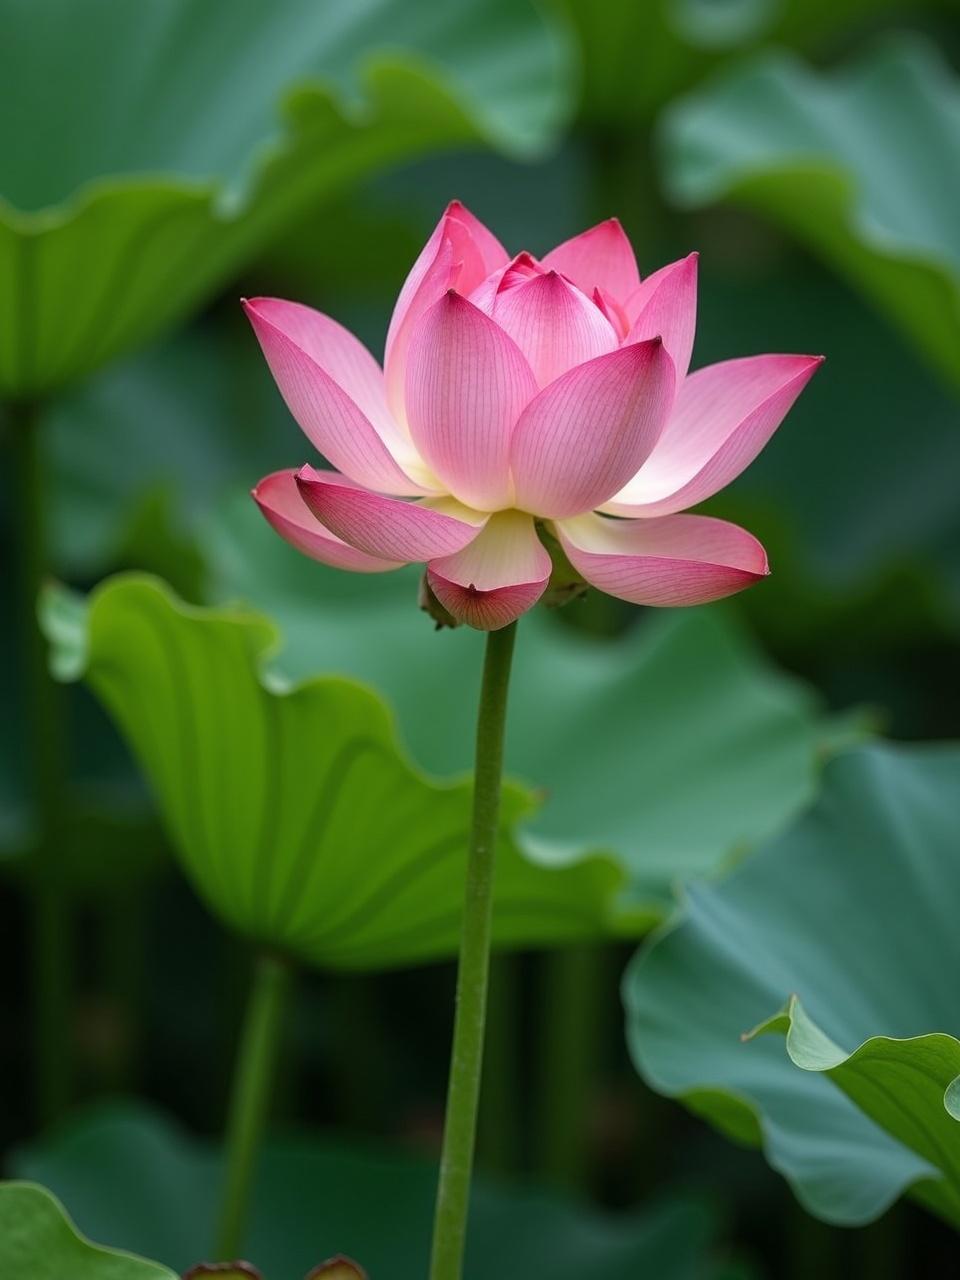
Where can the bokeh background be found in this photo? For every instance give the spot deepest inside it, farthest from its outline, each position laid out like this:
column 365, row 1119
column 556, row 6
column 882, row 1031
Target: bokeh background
column 811, row 153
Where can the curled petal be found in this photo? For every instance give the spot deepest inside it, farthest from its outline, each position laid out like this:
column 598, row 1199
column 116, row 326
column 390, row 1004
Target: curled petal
column 460, row 254
column 665, row 306
column 580, row 437
column 673, row 560
column 599, row 258
column 497, row 577
column 554, row 325
column 467, row 383
column 278, row 498
column 390, row 528
column 294, row 339
column 723, row 416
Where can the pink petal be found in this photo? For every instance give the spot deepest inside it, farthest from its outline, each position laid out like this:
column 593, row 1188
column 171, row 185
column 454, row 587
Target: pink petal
column 499, row 576
column 613, row 310
column 723, row 416
column 279, row 500
column 460, row 254
column 673, row 560
column 665, row 306
column 599, row 258
column 523, row 267
column 293, row 339
column 390, row 528
column 466, row 385
column 580, row 437
column 554, row 325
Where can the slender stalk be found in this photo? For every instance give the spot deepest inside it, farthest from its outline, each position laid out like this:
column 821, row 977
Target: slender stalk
column 43, row 751
column 572, row 1040
column 250, row 1096
column 463, row 1092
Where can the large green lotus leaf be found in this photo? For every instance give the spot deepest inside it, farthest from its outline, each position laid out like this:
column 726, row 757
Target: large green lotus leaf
column 862, row 164
column 638, row 56
column 854, row 912
column 151, row 148
column 130, row 1174
column 294, row 811
column 676, row 747
column 39, row 1242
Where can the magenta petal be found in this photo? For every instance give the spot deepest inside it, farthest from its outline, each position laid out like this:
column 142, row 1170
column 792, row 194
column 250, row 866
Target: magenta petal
column 499, row 576
column 278, row 498
column 467, row 383
column 601, row 258
column 460, row 254
column 723, row 416
column 665, row 306
column 294, row 340
column 577, row 441
column 554, row 324
column 672, row 560
column 390, row 528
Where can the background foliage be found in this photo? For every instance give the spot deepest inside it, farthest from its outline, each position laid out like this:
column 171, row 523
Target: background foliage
column 703, row 773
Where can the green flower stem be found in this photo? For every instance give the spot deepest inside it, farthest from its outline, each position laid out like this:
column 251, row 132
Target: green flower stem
column 43, row 752
column 250, row 1098
column 463, row 1092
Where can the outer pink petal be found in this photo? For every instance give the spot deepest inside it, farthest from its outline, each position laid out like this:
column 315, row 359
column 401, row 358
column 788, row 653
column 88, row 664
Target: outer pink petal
column 390, row 528
column 460, row 254
column 277, row 497
column 723, row 416
column 499, row 576
column 665, row 305
column 554, row 325
column 580, row 437
column 674, row 560
column 328, row 415
column 466, row 385
column 599, row 258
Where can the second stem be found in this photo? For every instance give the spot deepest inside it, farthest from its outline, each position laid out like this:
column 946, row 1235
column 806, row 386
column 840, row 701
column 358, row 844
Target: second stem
column 463, row 1092
column 250, row 1099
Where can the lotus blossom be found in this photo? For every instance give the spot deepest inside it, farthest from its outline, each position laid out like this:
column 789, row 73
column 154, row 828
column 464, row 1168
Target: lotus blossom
column 520, row 396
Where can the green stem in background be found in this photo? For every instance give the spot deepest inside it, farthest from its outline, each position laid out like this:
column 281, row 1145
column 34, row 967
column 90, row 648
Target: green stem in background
column 500, row 1136
column 250, row 1097
column 463, row 1092
column 43, row 751
column 576, row 1005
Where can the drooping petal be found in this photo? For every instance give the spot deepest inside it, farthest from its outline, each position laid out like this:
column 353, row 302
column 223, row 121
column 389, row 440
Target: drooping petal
column 467, row 383
column 554, row 324
column 278, row 498
column 460, row 254
column 723, row 416
column 672, row 560
column 665, row 305
column 576, row 441
column 599, row 258
column 390, row 528
column 327, row 413
column 497, row 577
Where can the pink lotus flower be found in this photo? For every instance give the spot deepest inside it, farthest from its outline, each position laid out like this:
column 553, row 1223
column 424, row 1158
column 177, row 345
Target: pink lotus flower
column 518, row 393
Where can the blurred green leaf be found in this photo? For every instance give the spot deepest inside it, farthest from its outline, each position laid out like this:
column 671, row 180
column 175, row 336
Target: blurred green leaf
column 637, row 56
column 294, row 812
column 128, row 1172
column 153, row 148
column 39, row 1242
column 854, row 910
column 675, row 747
column 861, row 164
